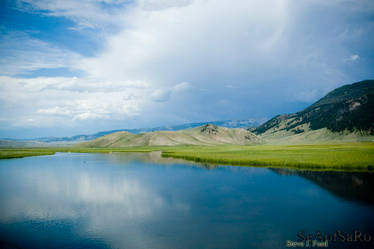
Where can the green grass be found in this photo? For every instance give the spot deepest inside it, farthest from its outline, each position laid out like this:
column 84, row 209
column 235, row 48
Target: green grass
column 352, row 156
column 19, row 153
column 347, row 156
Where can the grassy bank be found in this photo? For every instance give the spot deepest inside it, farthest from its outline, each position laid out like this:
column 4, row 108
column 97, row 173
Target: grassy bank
column 8, row 153
column 352, row 156
column 348, row 156
column 19, row 153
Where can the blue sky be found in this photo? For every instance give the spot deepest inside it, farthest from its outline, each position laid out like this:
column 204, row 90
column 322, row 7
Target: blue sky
column 72, row 67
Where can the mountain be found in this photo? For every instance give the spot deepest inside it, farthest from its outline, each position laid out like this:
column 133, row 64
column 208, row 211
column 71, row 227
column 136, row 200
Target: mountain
column 347, row 111
column 66, row 141
column 208, row 134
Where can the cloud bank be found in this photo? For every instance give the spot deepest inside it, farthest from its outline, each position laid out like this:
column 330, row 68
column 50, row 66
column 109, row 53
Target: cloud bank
column 169, row 62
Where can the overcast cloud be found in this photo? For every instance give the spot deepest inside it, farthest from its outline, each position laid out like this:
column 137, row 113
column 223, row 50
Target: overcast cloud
column 86, row 66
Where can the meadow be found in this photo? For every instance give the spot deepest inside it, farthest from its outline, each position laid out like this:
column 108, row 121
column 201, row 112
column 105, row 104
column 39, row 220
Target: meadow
column 345, row 156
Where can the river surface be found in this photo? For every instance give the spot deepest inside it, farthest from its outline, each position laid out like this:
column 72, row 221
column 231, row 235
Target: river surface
column 140, row 200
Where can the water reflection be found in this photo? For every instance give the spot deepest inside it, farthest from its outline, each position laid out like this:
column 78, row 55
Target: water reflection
column 141, row 200
column 81, row 188
column 154, row 158
column 347, row 185
column 104, row 200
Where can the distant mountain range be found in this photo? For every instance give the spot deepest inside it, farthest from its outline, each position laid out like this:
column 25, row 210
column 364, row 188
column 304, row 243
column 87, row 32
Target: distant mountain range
column 58, row 141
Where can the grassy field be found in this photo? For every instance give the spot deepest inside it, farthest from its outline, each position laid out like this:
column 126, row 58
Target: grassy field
column 347, row 156
column 19, row 153
column 353, row 156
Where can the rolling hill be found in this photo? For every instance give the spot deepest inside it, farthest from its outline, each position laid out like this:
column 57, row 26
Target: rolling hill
column 346, row 113
column 68, row 141
column 204, row 135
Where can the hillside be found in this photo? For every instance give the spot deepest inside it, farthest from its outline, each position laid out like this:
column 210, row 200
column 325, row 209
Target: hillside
column 345, row 113
column 68, row 141
column 204, row 135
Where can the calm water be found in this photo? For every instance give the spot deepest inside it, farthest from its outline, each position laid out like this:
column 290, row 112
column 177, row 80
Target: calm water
column 143, row 201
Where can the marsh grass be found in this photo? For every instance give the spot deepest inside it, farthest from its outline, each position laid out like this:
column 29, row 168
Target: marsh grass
column 353, row 156
column 19, row 153
column 347, row 156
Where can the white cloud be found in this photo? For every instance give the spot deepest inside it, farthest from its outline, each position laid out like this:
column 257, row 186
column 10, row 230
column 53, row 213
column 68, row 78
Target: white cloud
column 182, row 86
column 85, row 13
column 353, row 57
column 20, row 53
column 160, row 95
column 236, row 51
column 47, row 101
column 163, row 95
column 163, row 4
column 205, row 35
column 54, row 111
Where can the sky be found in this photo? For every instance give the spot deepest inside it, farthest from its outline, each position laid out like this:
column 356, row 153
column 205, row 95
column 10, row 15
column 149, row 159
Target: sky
column 77, row 67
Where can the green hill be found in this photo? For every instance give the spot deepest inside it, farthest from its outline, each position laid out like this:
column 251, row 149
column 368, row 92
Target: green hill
column 205, row 135
column 344, row 114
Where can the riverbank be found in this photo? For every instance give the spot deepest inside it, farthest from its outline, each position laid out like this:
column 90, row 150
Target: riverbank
column 20, row 153
column 346, row 156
